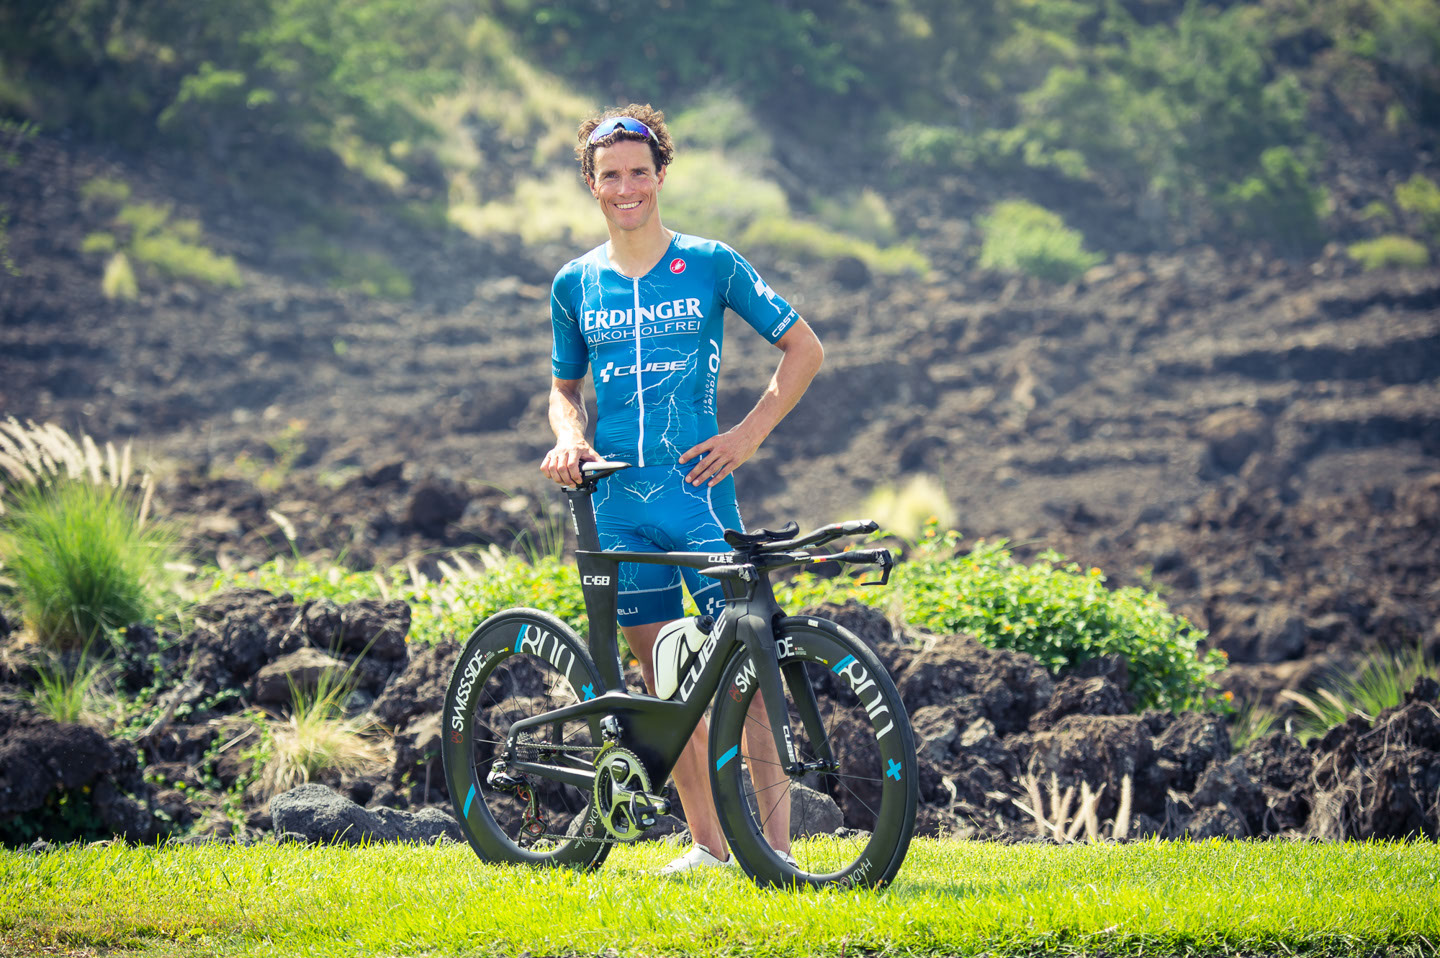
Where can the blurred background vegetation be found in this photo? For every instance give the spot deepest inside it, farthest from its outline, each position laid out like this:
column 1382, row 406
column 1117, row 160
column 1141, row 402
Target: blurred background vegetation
column 1140, row 124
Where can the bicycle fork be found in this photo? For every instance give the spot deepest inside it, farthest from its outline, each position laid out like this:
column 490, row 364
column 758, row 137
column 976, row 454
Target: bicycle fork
column 759, row 639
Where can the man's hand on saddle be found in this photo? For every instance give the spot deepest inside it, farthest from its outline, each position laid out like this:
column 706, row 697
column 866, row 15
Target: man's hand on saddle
column 562, row 464
column 720, row 455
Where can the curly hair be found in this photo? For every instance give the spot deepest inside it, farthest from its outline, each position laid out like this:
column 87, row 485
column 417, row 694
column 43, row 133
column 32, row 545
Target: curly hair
column 662, row 148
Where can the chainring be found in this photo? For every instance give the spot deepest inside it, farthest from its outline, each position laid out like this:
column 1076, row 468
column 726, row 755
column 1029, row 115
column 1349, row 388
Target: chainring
column 619, row 775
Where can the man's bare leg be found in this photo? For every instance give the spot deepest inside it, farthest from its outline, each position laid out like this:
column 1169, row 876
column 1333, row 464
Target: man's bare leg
column 692, row 772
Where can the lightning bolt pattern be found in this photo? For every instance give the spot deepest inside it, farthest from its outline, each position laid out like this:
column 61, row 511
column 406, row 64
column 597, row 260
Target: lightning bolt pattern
column 653, row 509
column 653, row 343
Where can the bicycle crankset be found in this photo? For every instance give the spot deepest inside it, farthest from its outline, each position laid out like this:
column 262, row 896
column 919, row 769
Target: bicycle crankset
column 623, row 801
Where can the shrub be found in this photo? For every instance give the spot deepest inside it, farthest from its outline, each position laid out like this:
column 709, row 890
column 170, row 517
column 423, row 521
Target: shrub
column 1278, row 203
column 105, row 191
column 905, row 511
column 173, row 247
column 1051, row 609
column 82, row 560
column 1021, row 237
column 173, row 254
column 1420, row 197
column 811, row 241
column 700, row 195
column 73, row 538
column 1389, row 250
column 863, row 214
column 552, row 209
column 98, row 243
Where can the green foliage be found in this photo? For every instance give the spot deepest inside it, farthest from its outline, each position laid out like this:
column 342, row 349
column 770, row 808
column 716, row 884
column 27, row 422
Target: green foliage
column 118, row 280
column 1021, row 237
column 1051, row 609
column 170, row 246
column 446, row 609
column 863, row 214
column 1388, row 251
column 1251, row 722
column 67, row 815
column 82, row 559
column 98, row 243
column 1401, row 38
column 1184, row 113
column 700, row 196
column 1278, row 203
column 1379, row 684
column 104, row 191
column 1420, row 197
column 72, row 691
column 231, row 76
column 810, row 241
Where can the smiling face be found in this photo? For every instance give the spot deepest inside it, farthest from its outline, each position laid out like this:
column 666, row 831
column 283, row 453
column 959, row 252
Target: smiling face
column 627, row 185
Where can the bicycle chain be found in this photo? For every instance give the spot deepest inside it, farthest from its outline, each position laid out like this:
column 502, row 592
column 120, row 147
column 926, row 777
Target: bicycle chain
column 601, row 838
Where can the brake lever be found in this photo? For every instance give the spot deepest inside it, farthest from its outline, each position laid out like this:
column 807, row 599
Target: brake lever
column 887, row 562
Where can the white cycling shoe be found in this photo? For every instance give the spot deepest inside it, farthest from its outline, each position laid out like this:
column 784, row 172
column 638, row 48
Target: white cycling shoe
column 696, row 859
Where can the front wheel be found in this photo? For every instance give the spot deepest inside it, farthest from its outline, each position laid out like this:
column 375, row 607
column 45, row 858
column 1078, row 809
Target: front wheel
column 517, row 664
column 847, row 819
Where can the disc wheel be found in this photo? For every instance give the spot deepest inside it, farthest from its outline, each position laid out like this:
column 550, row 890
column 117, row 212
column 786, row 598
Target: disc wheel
column 848, row 819
column 515, row 665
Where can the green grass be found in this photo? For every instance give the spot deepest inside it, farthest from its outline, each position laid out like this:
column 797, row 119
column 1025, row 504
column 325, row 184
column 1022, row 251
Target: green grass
column 1390, row 250
column 82, row 559
column 1206, row 898
column 72, row 692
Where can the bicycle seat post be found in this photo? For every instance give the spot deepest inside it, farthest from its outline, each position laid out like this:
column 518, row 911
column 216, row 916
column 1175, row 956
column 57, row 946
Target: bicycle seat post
column 599, row 576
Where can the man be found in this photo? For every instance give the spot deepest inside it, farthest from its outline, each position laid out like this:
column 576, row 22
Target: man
column 645, row 313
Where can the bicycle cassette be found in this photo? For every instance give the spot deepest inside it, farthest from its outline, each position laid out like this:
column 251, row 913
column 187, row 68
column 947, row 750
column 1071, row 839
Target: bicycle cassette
column 623, row 802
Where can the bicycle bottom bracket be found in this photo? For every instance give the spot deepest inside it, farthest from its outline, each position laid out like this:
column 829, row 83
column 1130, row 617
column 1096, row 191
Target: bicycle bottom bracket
column 622, row 793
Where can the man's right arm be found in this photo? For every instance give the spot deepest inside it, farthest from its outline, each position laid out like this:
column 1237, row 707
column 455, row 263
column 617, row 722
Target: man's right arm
column 568, row 421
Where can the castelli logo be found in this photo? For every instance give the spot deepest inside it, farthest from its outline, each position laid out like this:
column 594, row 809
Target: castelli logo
column 677, row 266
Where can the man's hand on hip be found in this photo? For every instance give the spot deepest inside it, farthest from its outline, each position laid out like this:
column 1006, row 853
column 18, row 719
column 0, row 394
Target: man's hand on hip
column 720, row 455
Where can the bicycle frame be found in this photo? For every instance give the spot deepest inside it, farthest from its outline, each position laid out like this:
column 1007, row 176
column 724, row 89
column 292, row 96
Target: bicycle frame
column 655, row 729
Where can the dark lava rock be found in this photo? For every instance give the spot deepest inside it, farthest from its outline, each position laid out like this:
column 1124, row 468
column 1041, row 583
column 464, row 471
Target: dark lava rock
column 318, row 814
column 434, row 504
column 1005, row 687
column 376, row 629
column 420, row 689
column 871, row 626
column 41, row 759
column 301, row 671
column 1382, row 779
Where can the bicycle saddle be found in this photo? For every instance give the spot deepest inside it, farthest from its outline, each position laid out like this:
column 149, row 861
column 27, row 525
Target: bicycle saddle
column 600, row 469
column 741, row 539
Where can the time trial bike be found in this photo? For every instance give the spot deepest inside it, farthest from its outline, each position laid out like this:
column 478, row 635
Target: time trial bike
column 551, row 760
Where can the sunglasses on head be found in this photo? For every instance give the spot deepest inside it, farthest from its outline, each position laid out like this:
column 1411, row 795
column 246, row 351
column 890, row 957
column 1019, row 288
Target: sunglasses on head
column 616, row 124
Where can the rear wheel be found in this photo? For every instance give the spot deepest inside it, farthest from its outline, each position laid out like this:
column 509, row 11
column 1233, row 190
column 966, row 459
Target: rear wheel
column 852, row 813
column 518, row 664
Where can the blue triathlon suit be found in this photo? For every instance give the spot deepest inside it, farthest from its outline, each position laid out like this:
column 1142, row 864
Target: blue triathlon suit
column 654, row 344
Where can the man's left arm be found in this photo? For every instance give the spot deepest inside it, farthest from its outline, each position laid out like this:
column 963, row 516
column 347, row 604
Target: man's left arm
column 722, row 454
